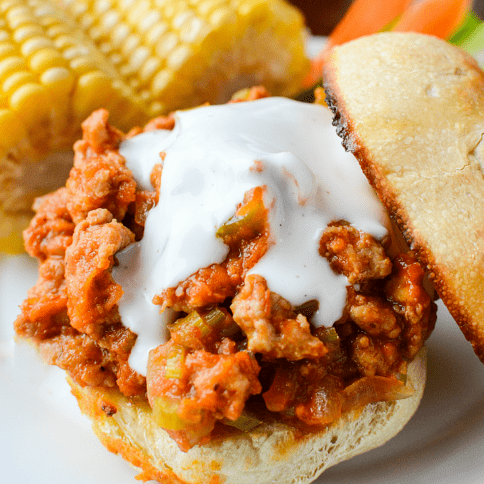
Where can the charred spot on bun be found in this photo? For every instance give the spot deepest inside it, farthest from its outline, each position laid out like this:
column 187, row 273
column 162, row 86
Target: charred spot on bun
column 227, row 296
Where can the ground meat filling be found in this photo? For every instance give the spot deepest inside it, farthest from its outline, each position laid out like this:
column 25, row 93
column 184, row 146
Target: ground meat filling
column 235, row 345
column 355, row 254
column 71, row 313
column 271, row 325
column 93, row 294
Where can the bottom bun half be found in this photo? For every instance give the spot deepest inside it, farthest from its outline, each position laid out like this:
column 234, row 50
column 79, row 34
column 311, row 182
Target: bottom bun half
column 270, row 453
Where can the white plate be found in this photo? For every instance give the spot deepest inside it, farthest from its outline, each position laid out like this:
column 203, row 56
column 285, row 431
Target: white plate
column 45, row 440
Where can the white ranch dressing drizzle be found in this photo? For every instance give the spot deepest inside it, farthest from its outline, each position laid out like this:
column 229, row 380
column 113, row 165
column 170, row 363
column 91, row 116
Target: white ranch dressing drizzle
column 213, row 156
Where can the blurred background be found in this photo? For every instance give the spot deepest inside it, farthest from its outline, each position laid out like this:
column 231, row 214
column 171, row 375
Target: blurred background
column 322, row 24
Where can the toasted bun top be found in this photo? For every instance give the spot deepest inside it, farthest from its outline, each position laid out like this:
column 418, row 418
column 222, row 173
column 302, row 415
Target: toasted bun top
column 411, row 109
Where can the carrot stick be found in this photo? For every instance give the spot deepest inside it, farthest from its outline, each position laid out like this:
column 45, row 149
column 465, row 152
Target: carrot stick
column 364, row 17
column 435, row 17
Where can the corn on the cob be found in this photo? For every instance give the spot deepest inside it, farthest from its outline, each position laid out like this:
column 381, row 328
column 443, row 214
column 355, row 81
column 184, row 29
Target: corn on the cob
column 180, row 53
column 51, row 77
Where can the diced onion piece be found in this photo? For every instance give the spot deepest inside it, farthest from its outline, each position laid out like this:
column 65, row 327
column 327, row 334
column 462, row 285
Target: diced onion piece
column 371, row 389
column 246, row 422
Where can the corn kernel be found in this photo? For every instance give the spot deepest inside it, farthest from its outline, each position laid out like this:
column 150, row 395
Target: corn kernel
column 172, row 9
column 83, row 65
column 34, row 44
column 45, row 59
column 96, row 33
column 17, row 12
column 59, row 80
column 14, row 81
column 65, row 42
column 178, row 57
column 127, row 5
column 155, row 108
column 7, row 50
column 161, row 81
column 48, row 21
column 92, row 91
column 54, row 31
column 138, row 57
column 75, row 51
column 31, row 102
column 26, row 32
column 150, row 20
column 10, row 65
column 181, row 18
column 149, row 68
column 7, row 4
column 138, row 11
column 102, row 6
column 44, row 9
column 154, row 34
column 119, row 35
column 20, row 20
column 110, row 20
column 131, row 42
column 104, row 47
column 78, row 9
column 166, row 44
column 116, row 58
column 221, row 16
column 87, row 21
column 207, row 6
column 192, row 31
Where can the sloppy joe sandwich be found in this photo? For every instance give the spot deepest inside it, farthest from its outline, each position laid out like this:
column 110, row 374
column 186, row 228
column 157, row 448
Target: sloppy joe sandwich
column 414, row 119
column 227, row 295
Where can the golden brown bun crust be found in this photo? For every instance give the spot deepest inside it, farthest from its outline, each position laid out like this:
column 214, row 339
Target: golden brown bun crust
column 271, row 453
column 411, row 109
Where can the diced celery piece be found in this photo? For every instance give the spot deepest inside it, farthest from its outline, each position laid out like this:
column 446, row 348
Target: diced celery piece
column 165, row 412
column 175, row 363
column 252, row 218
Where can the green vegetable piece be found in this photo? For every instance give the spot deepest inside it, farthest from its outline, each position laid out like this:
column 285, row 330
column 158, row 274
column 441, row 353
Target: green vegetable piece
column 214, row 317
column 165, row 413
column 175, row 363
column 328, row 335
column 252, row 221
column 194, row 319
